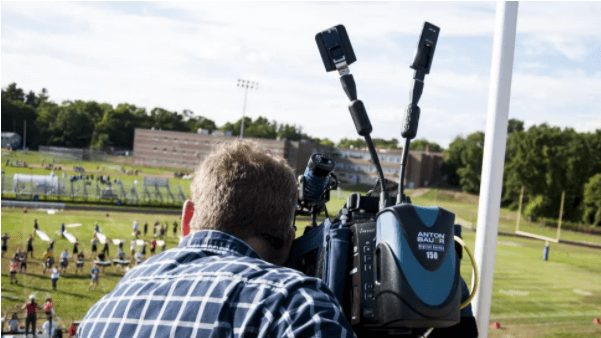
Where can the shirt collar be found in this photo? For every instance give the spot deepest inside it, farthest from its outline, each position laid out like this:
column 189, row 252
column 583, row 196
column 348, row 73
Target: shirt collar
column 214, row 240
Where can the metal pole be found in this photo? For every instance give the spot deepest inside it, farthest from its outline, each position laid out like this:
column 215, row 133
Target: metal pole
column 243, row 112
column 494, row 156
column 517, row 223
column 563, row 196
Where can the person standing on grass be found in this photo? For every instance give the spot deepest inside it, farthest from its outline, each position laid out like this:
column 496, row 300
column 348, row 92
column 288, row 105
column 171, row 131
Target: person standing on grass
column 23, row 261
column 30, row 245
column 54, row 277
column 75, row 249
column 132, row 248
column 94, row 247
column 5, row 239
column 36, row 227
column 163, row 246
column 135, row 226
column 144, row 248
column 156, row 225
column 94, row 276
column 31, row 309
column 139, row 257
column 96, row 227
column 80, row 261
column 48, row 306
column 153, row 245
column 105, row 250
column 48, row 260
column 145, row 227
column 64, row 260
column 14, row 267
column 51, row 244
column 174, row 228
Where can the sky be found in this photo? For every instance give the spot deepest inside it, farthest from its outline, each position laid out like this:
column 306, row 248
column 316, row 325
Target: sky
column 190, row 55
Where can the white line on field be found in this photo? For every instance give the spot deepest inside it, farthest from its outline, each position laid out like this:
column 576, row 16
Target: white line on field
column 582, row 292
column 548, row 315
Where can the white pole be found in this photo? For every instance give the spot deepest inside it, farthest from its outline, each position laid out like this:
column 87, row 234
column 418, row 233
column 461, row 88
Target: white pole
column 494, row 157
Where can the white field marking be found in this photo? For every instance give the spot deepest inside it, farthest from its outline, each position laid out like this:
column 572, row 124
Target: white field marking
column 73, row 225
column 70, row 237
column 582, row 292
column 547, row 315
column 101, row 237
column 515, row 292
column 509, row 243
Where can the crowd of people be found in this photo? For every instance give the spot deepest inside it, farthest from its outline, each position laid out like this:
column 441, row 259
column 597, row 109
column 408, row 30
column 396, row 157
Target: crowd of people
column 99, row 257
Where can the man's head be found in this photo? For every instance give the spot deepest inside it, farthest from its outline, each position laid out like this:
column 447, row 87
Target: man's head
column 241, row 190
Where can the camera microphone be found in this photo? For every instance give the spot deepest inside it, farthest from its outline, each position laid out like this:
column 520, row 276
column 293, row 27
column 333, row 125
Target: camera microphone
column 317, row 176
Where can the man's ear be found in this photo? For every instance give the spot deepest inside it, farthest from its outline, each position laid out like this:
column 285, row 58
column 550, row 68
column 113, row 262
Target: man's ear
column 187, row 213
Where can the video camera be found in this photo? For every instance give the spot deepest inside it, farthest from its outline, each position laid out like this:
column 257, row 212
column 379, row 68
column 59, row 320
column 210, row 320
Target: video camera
column 390, row 264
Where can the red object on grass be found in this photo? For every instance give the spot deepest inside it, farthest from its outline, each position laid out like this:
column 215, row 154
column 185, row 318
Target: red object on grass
column 596, row 320
column 496, row 325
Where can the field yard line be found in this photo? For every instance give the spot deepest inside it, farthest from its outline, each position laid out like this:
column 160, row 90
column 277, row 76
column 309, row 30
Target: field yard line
column 546, row 315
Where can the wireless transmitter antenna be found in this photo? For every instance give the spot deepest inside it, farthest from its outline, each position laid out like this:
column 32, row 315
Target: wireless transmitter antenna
column 337, row 54
column 421, row 63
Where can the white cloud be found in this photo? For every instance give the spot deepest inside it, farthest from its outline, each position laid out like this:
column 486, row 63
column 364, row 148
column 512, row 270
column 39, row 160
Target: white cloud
column 192, row 60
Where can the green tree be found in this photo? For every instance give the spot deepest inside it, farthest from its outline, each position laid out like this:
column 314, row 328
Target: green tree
column 514, row 125
column 592, row 201
column 421, row 144
column 347, row 143
column 470, row 171
column 14, row 93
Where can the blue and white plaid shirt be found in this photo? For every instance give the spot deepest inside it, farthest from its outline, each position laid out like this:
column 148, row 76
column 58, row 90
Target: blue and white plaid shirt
column 215, row 285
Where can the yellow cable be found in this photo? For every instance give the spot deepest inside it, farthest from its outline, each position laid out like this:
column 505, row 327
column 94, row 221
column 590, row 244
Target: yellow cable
column 475, row 278
column 474, row 290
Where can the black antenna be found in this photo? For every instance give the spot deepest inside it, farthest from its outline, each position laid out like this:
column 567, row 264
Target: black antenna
column 421, row 63
column 337, row 54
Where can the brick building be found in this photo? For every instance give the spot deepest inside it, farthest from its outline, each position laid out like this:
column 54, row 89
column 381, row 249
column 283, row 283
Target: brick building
column 186, row 150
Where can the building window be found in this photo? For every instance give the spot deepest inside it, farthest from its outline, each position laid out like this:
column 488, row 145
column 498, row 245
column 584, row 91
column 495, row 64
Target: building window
column 164, row 162
column 184, row 152
column 164, row 150
column 184, row 162
column 155, row 148
column 175, row 151
column 156, row 138
column 173, row 162
column 166, row 139
column 195, row 141
column 186, row 141
column 175, row 139
column 154, row 161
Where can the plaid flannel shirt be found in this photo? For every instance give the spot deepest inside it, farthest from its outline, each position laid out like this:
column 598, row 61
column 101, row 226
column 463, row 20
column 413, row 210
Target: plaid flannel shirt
column 215, row 285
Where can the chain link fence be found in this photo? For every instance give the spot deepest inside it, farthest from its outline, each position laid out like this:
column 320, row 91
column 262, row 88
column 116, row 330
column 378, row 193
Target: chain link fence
column 72, row 154
column 84, row 188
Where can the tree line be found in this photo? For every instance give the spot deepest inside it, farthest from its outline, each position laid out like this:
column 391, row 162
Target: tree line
column 546, row 160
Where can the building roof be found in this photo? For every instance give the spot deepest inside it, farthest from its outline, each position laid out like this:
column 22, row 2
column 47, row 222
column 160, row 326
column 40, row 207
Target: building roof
column 9, row 134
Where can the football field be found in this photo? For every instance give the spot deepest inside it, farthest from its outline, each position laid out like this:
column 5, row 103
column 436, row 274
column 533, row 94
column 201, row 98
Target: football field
column 531, row 297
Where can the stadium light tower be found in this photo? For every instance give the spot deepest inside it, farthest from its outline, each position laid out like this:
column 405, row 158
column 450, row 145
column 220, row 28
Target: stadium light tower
column 245, row 84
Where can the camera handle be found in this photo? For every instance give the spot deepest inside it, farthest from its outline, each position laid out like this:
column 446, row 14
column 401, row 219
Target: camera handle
column 363, row 126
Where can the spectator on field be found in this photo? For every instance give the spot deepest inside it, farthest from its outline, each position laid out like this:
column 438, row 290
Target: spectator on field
column 136, row 225
column 55, row 274
column 145, row 228
column 242, row 231
column 64, row 260
column 163, row 246
column 5, row 239
column 174, row 228
column 30, row 245
column 144, row 248
column 48, row 328
column 62, row 232
column 51, row 244
column 156, row 226
column 14, row 323
column 72, row 330
column 31, row 317
column 96, row 227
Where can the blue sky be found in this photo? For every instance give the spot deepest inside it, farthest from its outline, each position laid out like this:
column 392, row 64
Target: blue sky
column 185, row 55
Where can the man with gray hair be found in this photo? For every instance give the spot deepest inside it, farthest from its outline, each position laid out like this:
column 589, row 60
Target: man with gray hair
column 225, row 278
